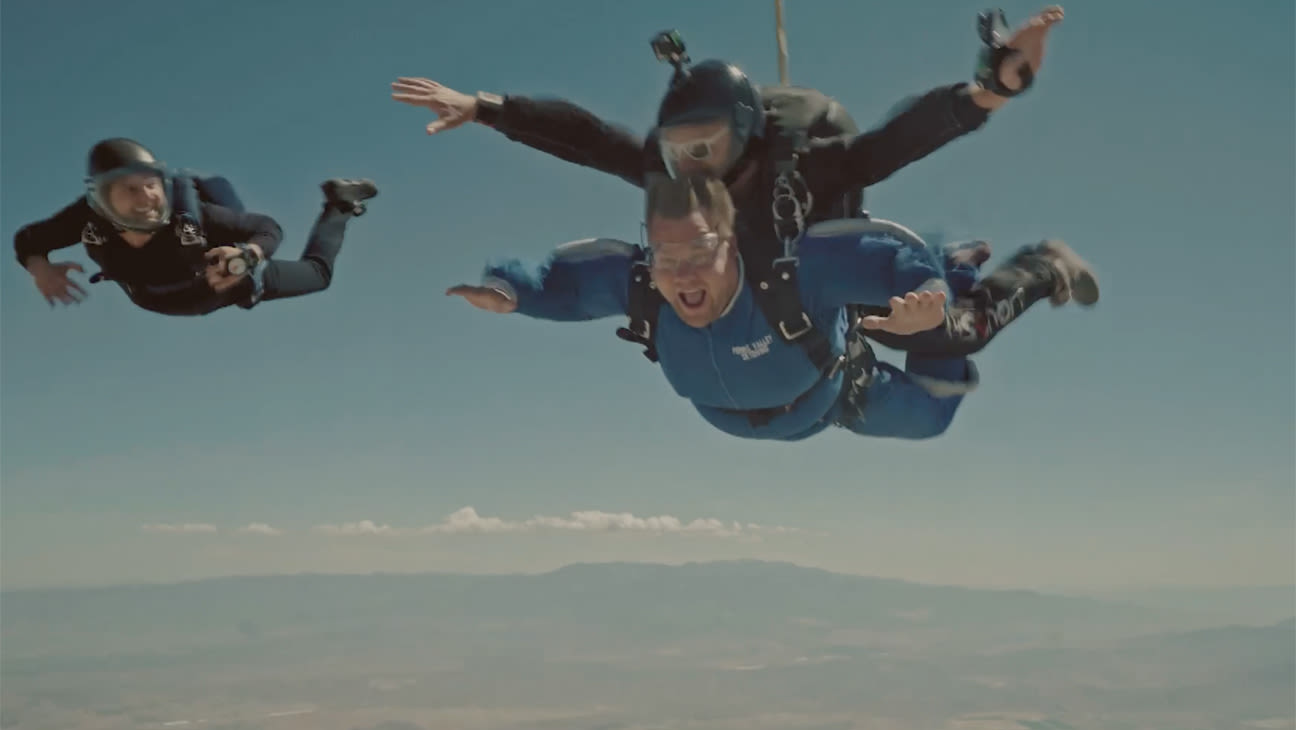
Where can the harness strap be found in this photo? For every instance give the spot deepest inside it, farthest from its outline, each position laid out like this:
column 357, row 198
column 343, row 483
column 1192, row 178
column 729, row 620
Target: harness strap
column 644, row 304
column 776, row 288
column 759, row 417
column 774, row 284
column 188, row 228
column 778, row 297
column 857, row 364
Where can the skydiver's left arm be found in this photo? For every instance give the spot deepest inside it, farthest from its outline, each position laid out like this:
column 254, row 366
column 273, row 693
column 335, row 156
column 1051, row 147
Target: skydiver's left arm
column 942, row 114
column 935, row 119
column 582, row 280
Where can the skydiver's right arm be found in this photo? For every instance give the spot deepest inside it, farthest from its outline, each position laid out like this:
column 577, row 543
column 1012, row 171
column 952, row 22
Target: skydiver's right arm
column 579, row 281
column 554, row 126
column 569, row 132
column 61, row 230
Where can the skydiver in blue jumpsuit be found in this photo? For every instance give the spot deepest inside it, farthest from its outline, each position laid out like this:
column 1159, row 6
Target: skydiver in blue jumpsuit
column 719, row 351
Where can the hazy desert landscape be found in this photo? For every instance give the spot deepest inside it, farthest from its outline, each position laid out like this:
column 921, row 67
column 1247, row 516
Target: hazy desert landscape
column 740, row 644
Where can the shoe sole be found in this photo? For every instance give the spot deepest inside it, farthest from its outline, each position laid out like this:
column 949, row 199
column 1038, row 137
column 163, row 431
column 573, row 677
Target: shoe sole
column 1084, row 285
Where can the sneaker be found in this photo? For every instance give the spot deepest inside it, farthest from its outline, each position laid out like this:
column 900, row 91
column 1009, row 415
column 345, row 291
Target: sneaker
column 346, row 194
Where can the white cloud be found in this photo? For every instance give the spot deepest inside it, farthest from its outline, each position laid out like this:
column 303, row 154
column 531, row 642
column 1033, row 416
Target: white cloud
column 188, row 528
column 364, row 527
column 468, row 521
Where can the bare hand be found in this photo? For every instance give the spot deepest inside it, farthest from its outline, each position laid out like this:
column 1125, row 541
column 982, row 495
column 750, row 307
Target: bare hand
column 1029, row 41
column 53, row 283
column 452, row 108
column 482, row 297
column 916, row 312
column 218, row 276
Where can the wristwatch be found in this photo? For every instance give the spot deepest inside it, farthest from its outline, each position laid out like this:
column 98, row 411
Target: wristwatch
column 489, row 107
column 239, row 265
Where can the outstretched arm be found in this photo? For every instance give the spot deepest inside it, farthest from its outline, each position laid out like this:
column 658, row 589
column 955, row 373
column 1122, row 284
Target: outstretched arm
column 34, row 241
column 569, row 132
column 937, row 118
column 579, row 281
column 553, row 126
column 930, row 122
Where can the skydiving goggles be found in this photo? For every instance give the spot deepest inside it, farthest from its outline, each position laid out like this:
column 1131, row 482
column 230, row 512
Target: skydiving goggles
column 698, row 149
column 702, row 254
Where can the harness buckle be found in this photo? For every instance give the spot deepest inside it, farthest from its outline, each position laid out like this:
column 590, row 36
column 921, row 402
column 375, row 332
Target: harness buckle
column 807, row 325
column 838, row 365
column 641, row 335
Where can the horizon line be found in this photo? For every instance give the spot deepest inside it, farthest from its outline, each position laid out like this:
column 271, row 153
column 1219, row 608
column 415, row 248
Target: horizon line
column 1050, row 590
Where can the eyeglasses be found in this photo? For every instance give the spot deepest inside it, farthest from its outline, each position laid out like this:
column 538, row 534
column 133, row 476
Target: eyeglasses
column 704, row 252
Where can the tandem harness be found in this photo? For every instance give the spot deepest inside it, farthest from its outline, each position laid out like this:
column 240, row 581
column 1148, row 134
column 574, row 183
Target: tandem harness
column 775, row 287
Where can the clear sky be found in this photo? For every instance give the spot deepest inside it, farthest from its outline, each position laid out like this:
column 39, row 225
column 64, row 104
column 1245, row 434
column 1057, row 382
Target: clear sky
column 1149, row 441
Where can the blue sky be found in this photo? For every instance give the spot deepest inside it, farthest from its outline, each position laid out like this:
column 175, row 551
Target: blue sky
column 1149, row 441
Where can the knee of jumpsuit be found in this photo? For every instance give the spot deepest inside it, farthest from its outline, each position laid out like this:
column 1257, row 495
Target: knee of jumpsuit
column 961, row 279
column 918, row 402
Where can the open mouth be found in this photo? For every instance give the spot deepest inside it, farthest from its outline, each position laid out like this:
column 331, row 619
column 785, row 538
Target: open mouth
column 693, row 299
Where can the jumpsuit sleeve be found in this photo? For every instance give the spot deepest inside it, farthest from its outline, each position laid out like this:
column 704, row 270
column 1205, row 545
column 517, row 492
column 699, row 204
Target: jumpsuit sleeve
column 579, row 281
column 569, row 132
column 866, row 269
column 930, row 122
column 61, row 230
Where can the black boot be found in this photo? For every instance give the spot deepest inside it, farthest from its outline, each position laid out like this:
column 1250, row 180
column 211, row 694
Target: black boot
column 973, row 253
column 346, row 195
column 1046, row 270
column 1077, row 280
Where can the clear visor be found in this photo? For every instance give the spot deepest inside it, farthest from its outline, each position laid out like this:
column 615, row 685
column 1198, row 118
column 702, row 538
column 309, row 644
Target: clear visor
column 132, row 199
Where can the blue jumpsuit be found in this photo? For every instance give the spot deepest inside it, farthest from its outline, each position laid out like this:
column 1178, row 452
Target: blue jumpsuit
column 738, row 363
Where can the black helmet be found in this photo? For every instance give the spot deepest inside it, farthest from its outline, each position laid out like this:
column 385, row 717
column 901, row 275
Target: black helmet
column 120, row 155
column 710, row 90
column 112, row 158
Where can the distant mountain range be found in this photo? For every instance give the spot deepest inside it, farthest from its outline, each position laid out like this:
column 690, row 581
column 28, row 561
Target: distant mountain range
column 726, row 598
column 717, row 638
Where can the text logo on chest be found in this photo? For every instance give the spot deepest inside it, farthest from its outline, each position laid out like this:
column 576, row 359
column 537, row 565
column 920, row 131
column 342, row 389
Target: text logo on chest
column 90, row 235
column 189, row 233
column 753, row 350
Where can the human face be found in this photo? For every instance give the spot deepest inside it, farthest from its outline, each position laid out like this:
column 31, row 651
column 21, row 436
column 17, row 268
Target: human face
column 698, row 148
column 138, row 197
column 693, row 267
